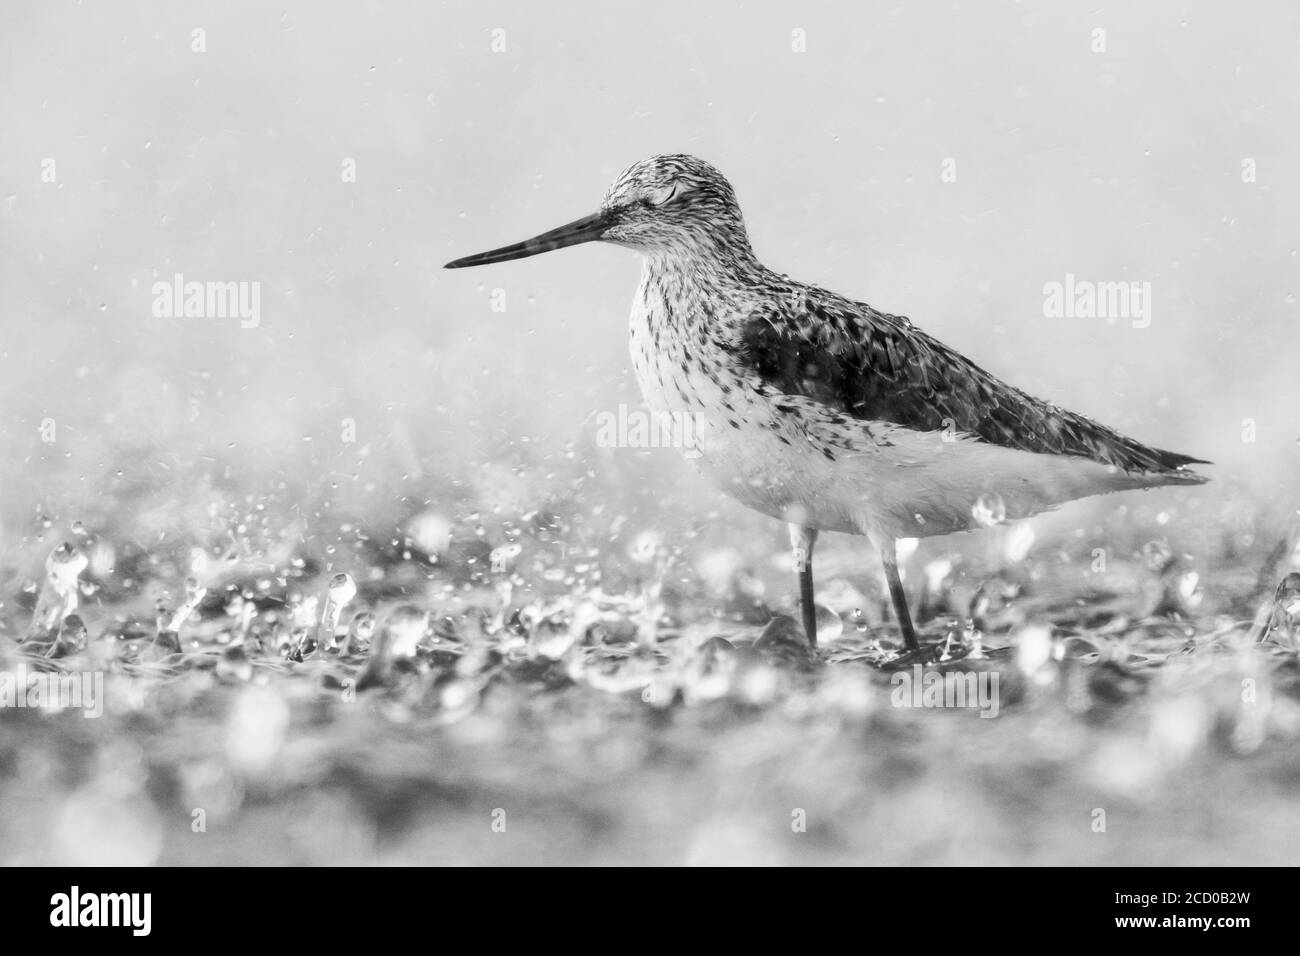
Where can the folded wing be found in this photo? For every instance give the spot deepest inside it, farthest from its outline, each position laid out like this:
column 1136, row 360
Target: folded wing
column 876, row 367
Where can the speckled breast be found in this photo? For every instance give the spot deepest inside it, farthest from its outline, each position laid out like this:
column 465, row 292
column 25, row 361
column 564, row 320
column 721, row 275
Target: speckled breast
column 741, row 441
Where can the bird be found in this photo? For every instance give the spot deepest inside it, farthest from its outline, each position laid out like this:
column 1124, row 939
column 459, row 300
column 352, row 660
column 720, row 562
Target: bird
column 823, row 412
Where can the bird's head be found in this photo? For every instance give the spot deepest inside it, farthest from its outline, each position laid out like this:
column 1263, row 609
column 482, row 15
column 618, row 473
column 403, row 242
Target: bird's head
column 661, row 205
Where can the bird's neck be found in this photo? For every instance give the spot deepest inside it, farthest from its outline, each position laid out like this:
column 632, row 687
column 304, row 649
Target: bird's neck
column 715, row 267
column 696, row 295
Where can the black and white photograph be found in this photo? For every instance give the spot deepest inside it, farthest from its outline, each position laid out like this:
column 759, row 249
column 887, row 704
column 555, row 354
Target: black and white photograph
column 765, row 434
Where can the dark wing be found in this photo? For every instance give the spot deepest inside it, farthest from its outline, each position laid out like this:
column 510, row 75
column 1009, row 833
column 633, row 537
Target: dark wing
column 879, row 368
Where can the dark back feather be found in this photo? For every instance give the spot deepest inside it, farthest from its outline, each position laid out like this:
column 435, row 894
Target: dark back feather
column 878, row 367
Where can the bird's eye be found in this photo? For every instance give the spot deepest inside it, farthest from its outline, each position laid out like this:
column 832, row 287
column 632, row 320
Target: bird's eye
column 664, row 194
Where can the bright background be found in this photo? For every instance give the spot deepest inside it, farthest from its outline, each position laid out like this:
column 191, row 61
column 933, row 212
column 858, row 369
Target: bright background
column 225, row 165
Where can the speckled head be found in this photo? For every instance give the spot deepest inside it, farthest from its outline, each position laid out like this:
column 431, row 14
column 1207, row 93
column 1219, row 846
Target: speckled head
column 664, row 205
column 673, row 202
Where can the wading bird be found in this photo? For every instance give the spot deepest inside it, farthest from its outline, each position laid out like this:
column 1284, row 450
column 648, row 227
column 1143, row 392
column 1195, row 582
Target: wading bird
column 823, row 412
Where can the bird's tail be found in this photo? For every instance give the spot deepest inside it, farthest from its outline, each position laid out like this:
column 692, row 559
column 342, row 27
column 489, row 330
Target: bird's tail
column 1175, row 467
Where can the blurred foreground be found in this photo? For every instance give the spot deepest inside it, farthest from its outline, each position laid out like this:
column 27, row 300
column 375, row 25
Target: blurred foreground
column 450, row 699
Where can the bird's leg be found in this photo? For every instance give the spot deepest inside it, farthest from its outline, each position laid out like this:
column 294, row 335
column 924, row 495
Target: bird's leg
column 801, row 545
column 888, row 557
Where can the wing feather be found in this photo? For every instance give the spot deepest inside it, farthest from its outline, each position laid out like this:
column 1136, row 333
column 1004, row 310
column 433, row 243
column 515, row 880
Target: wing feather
column 877, row 367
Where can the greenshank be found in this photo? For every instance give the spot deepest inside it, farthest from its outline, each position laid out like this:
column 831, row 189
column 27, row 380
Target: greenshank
column 826, row 413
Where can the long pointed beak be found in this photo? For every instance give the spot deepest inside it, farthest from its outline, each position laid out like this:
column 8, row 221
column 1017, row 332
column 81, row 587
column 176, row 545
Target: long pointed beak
column 585, row 229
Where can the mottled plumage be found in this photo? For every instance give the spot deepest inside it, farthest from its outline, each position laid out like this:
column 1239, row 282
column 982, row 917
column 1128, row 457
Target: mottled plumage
column 821, row 411
column 879, row 368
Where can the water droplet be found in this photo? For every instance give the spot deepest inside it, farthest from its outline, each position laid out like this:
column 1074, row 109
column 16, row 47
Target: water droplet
column 256, row 730
column 430, row 531
column 989, row 510
column 1033, row 649
column 645, row 546
column 405, row 629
